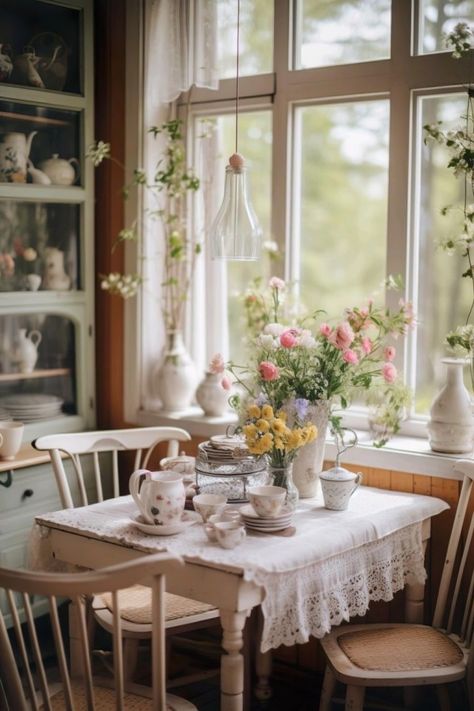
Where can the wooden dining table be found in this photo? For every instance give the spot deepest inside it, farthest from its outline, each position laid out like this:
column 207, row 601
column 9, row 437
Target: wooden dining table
column 330, row 567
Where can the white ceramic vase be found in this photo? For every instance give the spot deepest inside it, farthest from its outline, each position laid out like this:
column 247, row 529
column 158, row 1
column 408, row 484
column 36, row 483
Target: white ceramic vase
column 451, row 425
column 211, row 396
column 309, row 461
column 27, row 349
column 176, row 380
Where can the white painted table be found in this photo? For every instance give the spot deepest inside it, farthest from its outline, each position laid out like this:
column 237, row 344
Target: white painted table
column 334, row 565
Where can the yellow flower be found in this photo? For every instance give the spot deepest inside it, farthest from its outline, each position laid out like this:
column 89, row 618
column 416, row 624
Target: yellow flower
column 250, row 431
column 262, row 426
column 267, row 412
column 281, row 414
column 311, row 433
column 279, row 444
column 295, row 440
column 253, row 411
column 266, row 442
column 278, row 426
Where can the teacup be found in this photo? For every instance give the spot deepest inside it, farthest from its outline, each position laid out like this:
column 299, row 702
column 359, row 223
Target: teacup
column 160, row 496
column 267, row 501
column 209, row 504
column 227, row 515
column 11, row 436
column 229, row 534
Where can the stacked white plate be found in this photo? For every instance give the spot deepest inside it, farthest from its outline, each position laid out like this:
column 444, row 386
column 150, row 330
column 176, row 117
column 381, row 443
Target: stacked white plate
column 267, row 525
column 28, row 408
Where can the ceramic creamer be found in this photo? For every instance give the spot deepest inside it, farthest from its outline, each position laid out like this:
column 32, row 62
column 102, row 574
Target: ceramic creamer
column 338, row 485
column 160, row 496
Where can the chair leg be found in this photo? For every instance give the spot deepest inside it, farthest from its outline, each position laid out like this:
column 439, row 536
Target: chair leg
column 355, row 698
column 442, row 692
column 130, row 658
column 327, row 691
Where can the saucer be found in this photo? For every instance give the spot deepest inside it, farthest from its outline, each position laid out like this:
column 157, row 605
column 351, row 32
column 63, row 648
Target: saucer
column 248, row 512
column 268, row 529
column 188, row 519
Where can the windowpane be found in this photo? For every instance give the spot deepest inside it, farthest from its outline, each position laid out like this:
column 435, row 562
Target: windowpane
column 343, row 217
column 255, row 144
column 438, row 18
column 256, row 37
column 341, row 32
column 443, row 297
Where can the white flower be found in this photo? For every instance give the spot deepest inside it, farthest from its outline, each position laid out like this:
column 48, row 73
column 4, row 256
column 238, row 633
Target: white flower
column 274, row 329
column 265, row 340
column 307, row 340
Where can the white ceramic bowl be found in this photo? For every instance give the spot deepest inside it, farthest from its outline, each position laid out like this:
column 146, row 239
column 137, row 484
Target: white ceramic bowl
column 209, row 504
column 267, row 501
column 183, row 464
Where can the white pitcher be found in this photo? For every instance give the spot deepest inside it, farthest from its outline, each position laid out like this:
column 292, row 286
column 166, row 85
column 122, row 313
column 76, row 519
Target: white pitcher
column 338, row 485
column 160, row 496
column 14, row 152
column 27, row 349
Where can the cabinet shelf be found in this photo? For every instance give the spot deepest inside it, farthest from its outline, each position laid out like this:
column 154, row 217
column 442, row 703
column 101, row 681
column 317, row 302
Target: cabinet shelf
column 43, row 120
column 44, row 373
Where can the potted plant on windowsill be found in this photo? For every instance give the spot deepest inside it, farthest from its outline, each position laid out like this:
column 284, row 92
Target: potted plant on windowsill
column 167, row 191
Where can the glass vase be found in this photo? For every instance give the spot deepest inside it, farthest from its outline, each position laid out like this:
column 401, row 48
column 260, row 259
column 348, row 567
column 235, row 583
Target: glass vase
column 283, row 476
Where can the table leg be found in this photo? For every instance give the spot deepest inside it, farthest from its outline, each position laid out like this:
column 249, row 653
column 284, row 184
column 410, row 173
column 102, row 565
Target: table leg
column 263, row 665
column 415, row 600
column 232, row 663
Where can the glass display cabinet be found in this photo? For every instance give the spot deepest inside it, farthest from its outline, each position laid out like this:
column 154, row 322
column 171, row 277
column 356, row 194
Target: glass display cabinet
column 46, row 214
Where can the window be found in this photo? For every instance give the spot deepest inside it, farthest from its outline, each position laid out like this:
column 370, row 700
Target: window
column 333, row 97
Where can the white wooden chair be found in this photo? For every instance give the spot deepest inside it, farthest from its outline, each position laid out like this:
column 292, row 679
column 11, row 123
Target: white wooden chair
column 387, row 655
column 181, row 614
column 23, row 673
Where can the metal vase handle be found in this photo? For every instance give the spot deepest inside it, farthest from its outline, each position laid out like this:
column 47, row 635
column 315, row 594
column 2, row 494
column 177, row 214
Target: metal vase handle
column 341, row 445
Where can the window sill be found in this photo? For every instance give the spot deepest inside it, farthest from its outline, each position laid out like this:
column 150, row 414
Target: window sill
column 403, row 454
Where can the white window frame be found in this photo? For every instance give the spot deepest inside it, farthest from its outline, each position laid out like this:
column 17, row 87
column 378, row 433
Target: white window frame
column 402, row 78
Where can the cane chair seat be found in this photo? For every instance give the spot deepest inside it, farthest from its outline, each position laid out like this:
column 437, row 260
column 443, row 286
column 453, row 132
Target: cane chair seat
column 396, row 649
column 135, row 605
column 105, row 701
column 405, row 654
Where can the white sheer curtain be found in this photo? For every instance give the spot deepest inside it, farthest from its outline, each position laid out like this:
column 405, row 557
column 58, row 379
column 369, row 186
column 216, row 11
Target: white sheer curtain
column 180, row 51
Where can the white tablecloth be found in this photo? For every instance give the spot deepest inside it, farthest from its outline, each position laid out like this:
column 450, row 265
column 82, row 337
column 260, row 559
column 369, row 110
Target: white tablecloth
column 334, row 565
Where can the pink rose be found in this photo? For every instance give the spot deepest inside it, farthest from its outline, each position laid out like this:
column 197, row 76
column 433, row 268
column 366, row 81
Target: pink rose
column 366, row 345
column 325, row 330
column 276, row 283
column 389, row 372
column 350, row 356
column 288, row 338
column 389, row 353
column 216, row 365
column 226, row 382
column 268, row 370
column 342, row 336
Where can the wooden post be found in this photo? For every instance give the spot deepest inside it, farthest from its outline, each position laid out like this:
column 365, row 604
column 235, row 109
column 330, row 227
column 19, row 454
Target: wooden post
column 232, row 663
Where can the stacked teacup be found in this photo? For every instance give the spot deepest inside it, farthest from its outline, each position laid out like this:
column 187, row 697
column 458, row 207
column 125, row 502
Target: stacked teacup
column 267, row 511
column 222, row 523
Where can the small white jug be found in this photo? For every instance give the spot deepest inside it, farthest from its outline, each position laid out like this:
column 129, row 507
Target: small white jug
column 160, row 497
column 27, row 351
column 338, row 485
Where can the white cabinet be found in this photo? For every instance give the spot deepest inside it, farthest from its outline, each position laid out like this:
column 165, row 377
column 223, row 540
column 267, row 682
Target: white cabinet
column 46, row 213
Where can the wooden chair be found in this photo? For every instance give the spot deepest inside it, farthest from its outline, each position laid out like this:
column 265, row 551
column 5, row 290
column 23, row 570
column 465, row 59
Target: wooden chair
column 26, row 682
column 387, row 655
column 181, row 614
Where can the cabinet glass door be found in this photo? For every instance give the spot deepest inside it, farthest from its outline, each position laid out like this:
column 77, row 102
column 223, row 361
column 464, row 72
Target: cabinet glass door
column 40, row 45
column 37, row 367
column 39, row 246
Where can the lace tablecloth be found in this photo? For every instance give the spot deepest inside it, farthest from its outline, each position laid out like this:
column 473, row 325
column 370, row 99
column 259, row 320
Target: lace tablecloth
column 334, row 565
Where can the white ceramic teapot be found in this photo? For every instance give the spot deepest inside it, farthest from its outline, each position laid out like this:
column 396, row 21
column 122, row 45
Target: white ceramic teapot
column 14, row 151
column 59, row 170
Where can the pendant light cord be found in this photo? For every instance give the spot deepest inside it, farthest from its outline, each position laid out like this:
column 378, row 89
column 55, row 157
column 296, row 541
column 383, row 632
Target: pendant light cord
column 237, row 81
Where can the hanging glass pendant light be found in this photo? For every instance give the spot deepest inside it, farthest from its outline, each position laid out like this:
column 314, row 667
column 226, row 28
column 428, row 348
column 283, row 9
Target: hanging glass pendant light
column 235, row 233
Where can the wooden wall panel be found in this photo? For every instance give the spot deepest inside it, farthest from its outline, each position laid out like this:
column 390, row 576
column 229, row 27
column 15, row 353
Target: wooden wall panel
column 109, row 18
